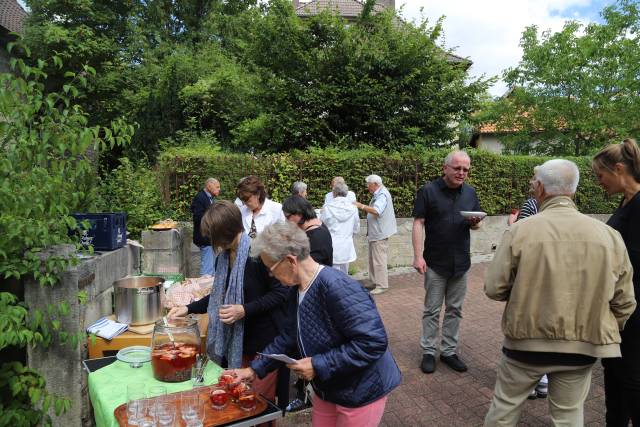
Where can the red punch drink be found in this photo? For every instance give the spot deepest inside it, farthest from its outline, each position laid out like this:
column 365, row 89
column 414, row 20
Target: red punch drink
column 235, row 389
column 226, row 379
column 247, row 399
column 219, row 397
column 172, row 363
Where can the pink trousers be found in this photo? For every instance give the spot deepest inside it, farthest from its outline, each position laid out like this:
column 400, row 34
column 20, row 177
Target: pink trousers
column 327, row 414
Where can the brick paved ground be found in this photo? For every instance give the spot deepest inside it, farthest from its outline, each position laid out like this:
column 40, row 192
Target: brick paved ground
column 448, row 398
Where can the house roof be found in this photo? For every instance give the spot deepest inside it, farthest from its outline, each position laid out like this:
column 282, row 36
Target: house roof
column 344, row 8
column 12, row 15
column 351, row 9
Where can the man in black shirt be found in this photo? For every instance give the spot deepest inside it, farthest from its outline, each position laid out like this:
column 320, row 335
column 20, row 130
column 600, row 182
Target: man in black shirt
column 446, row 256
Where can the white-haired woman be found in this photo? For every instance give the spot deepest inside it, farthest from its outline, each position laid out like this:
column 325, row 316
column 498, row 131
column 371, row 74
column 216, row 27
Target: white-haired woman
column 341, row 218
column 333, row 329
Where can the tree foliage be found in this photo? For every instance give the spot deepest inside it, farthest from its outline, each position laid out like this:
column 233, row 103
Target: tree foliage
column 46, row 174
column 258, row 76
column 574, row 90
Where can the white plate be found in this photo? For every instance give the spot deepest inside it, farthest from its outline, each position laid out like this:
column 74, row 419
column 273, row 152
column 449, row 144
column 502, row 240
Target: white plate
column 471, row 214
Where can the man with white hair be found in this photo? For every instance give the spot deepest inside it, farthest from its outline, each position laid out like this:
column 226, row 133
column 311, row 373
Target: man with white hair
column 381, row 224
column 446, row 257
column 351, row 196
column 567, row 281
column 199, row 206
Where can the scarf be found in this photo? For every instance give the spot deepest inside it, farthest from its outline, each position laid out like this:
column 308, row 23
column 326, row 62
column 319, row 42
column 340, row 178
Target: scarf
column 226, row 340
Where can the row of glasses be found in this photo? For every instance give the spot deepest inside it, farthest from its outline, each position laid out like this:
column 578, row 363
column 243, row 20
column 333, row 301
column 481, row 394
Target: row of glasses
column 144, row 408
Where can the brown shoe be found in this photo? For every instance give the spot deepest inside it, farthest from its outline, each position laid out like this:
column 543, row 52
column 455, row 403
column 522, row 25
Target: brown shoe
column 368, row 284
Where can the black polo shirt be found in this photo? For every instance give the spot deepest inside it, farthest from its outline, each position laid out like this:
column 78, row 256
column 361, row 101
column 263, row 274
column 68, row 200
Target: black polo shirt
column 447, row 242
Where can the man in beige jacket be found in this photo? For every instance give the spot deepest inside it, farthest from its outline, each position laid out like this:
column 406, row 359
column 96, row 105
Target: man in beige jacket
column 566, row 279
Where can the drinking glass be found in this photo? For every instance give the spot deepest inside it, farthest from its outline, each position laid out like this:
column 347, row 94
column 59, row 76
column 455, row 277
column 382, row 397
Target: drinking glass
column 199, row 418
column 135, row 407
column 189, row 406
column 197, row 376
column 219, row 397
column 247, row 399
column 235, row 388
column 155, row 392
column 165, row 413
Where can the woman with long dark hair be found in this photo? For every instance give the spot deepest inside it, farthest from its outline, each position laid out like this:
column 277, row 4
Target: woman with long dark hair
column 246, row 304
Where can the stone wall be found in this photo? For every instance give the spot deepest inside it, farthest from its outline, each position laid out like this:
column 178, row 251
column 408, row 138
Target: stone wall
column 483, row 243
column 62, row 364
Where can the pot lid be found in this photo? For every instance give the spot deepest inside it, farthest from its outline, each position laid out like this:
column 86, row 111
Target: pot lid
column 135, row 355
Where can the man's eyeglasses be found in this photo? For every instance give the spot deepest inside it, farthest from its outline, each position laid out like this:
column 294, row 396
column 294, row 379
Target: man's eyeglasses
column 460, row 169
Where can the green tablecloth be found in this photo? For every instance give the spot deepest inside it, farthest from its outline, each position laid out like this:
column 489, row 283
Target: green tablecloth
column 108, row 387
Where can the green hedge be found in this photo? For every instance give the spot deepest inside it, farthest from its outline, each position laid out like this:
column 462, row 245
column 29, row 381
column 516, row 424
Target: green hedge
column 501, row 181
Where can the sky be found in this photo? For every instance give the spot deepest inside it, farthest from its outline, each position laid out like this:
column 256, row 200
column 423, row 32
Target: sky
column 488, row 31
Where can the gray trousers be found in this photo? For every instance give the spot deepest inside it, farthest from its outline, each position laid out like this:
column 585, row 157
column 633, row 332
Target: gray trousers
column 451, row 291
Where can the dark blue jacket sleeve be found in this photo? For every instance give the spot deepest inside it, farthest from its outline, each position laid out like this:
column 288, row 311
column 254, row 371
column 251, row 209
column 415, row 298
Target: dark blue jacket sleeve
column 285, row 343
column 356, row 317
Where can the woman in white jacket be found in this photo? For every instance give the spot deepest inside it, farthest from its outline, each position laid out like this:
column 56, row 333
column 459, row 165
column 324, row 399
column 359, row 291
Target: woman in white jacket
column 341, row 218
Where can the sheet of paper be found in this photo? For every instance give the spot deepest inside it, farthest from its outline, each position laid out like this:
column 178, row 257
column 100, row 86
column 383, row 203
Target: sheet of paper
column 281, row 357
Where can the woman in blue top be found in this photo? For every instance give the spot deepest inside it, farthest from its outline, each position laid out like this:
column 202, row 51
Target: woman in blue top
column 617, row 167
column 334, row 331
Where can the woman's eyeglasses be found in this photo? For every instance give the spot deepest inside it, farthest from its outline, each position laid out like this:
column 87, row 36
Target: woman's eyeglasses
column 274, row 266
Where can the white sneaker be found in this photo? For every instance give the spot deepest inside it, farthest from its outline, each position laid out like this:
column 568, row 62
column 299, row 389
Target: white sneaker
column 542, row 389
column 533, row 394
column 378, row 290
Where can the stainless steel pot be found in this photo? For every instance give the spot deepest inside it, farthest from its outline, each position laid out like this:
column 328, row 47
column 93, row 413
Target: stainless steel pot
column 138, row 299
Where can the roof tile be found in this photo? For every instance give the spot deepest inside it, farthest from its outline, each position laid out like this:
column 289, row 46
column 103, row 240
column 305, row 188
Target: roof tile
column 12, row 15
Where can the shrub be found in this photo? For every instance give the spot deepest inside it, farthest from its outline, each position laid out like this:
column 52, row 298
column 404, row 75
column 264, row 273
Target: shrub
column 136, row 191
column 501, row 181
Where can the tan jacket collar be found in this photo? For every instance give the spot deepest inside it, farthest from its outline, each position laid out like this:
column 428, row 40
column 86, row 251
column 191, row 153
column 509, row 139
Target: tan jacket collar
column 558, row 201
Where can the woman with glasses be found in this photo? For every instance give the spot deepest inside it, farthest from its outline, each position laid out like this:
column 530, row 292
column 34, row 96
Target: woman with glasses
column 334, row 331
column 299, row 211
column 617, row 168
column 257, row 211
column 246, row 304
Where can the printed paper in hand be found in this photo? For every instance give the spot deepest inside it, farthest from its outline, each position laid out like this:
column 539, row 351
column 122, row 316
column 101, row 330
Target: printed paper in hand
column 280, row 357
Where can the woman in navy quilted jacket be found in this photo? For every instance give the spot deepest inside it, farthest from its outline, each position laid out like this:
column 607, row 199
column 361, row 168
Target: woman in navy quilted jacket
column 334, row 331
